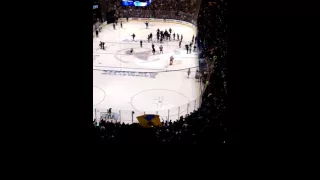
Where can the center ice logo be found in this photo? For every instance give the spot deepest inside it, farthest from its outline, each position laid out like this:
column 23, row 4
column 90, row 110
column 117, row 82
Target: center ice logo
column 142, row 55
column 139, row 55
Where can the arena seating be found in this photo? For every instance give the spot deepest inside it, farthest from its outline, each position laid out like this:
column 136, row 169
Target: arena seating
column 205, row 125
column 171, row 9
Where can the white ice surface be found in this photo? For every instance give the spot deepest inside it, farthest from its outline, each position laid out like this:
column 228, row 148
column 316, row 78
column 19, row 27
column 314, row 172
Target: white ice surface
column 168, row 91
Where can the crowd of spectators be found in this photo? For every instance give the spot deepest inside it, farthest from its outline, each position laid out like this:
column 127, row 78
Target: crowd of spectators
column 191, row 129
column 213, row 43
column 96, row 13
column 185, row 10
column 204, row 125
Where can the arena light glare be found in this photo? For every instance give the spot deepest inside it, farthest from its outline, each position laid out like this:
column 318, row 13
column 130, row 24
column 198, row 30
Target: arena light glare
column 142, row 4
column 137, row 3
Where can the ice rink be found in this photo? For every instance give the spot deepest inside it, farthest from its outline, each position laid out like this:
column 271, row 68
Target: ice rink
column 143, row 82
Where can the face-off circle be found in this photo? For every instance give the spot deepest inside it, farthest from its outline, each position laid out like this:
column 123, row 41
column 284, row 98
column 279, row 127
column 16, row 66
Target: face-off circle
column 159, row 100
column 98, row 95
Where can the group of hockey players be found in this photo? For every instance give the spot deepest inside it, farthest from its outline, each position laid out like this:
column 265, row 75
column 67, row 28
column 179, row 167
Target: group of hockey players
column 197, row 75
column 166, row 35
column 116, row 23
column 189, row 47
column 161, row 36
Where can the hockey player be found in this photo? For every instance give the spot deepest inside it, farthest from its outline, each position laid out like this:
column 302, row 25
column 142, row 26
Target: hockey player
column 103, row 45
column 158, row 37
column 192, row 38
column 171, row 60
column 100, row 45
column 158, row 31
column 194, row 48
column 127, row 18
column 140, row 43
column 166, row 33
column 109, row 114
column 181, row 37
column 114, row 26
column 121, row 24
column 189, row 72
column 97, row 33
column 170, row 30
column 174, row 36
column 190, row 47
column 178, row 36
column 197, row 76
column 153, row 51
column 161, row 49
column 151, row 36
column 133, row 36
column 180, row 44
column 169, row 35
column 147, row 24
column 187, row 47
